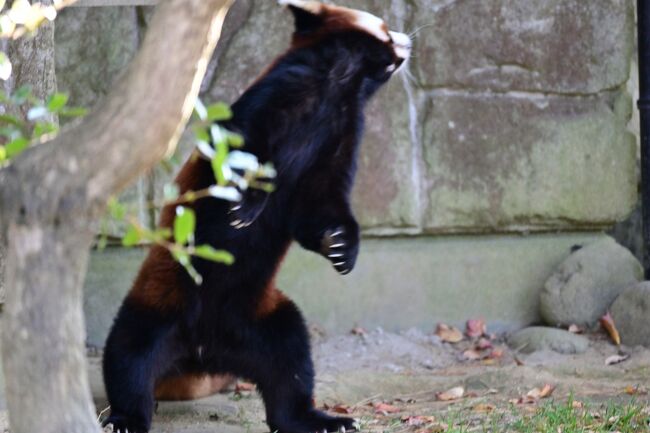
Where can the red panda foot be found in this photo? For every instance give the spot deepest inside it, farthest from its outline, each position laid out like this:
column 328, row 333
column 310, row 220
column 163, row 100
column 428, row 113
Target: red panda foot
column 340, row 246
column 317, row 422
column 122, row 424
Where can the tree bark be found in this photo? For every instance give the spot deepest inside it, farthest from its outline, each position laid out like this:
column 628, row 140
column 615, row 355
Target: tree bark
column 52, row 194
column 33, row 65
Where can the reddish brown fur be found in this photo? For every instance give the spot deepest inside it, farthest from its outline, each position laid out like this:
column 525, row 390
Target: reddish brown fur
column 272, row 298
column 191, row 386
column 157, row 284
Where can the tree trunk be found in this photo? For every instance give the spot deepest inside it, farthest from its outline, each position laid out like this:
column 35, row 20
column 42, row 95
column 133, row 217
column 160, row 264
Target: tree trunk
column 51, row 195
column 33, row 65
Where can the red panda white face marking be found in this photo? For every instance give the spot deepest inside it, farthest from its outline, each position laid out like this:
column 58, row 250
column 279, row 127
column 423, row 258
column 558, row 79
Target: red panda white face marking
column 310, row 6
column 336, row 18
column 370, row 24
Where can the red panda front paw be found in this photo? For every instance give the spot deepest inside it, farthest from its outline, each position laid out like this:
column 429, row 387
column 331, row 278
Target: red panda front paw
column 244, row 213
column 122, row 424
column 340, row 245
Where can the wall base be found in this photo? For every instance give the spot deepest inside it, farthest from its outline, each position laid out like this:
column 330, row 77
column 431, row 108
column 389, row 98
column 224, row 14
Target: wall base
column 398, row 283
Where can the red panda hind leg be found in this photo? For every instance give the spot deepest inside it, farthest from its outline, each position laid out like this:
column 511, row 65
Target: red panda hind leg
column 277, row 357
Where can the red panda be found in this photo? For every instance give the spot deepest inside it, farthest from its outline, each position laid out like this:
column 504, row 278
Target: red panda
column 305, row 115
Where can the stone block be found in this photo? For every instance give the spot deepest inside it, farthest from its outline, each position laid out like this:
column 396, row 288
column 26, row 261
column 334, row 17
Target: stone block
column 385, row 195
column 386, row 190
column 519, row 162
column 554, row 46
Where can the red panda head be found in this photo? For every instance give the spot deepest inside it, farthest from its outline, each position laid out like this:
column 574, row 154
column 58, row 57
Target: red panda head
column 316, row 21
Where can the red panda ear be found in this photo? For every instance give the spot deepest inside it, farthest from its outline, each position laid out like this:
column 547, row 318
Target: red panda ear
column 306, row 20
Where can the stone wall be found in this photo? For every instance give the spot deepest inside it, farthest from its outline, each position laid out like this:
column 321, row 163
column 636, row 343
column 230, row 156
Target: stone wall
column 513, row 116
column 512, row 120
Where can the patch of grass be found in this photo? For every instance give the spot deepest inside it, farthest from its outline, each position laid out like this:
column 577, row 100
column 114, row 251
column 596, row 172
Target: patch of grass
column 552, row 417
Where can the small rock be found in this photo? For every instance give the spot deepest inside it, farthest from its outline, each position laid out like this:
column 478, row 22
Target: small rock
column 631, row 313
column 584, row 286
column 537, row 338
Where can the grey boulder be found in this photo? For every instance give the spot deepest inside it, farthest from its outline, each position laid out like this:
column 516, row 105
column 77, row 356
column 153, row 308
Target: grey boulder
column 631, row 314
column 586, row 284
column 538, row 338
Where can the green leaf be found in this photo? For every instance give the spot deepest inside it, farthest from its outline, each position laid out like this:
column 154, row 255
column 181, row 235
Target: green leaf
column 132, row 237
column 164, row 233
column 235, row 140
column 43, row 128
column 3, row 154
column 219, row 161
column 218, row 112
column 72, row 112
column 16, row 146
column 56, row 102
column 201, row 133
column 208, row 253
column 102, row 242
column 183, row 257
column 11, row 120
column 117, row 209
column 184, row 225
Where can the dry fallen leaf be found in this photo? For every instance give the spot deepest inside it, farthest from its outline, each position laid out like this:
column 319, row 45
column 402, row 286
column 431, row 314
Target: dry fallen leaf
column 607, row 322
column 436, row 428
column 577, row 404
column 451, row 394
column 635, row 390
column 613, row 419
column 496, row 353
column 616, row 359
column 483, row 408
column 471, row 355
column 358, row 330
column 538, row 393
column 244, row 387
column 385, row 409
column 575, row 329
column 484, row 344
column 418, row 420
column 475, row 328
column 519, row 362
column 448, row 333
column 341, row 408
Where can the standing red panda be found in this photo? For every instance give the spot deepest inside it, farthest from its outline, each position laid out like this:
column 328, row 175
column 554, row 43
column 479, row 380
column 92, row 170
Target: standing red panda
column 305, row 115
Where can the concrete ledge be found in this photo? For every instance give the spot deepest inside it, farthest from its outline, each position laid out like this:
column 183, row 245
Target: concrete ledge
column 398, row 283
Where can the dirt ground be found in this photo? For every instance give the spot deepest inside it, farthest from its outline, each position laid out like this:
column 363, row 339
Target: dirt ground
column 393, row 382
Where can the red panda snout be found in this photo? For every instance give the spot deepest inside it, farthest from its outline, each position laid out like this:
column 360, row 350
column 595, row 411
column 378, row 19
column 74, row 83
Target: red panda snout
column 402, row 45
